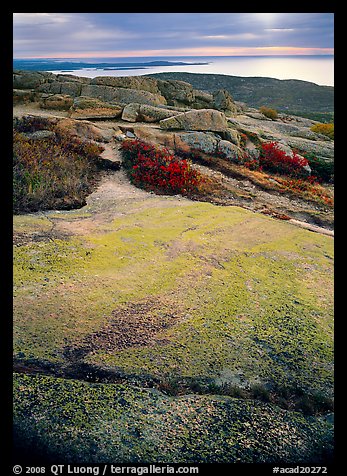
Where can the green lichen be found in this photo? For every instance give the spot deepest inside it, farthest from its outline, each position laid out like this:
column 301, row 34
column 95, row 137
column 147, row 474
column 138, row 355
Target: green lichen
column 248, row 288
column 76, row 422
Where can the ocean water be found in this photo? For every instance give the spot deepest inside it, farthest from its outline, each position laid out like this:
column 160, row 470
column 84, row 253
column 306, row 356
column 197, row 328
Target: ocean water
column 316, row 69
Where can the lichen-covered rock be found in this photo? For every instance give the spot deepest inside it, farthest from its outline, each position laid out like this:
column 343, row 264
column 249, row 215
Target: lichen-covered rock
column 72, row 88
column 91, row 108
column 84, row 102
column 203, row 96
column 231, row 135
column 72, row 78
column 197, row 120
column 79, row 422
column 135, row 112
column 230, row 151
column 223, row 101
column 128, row 82
column 205, row 142
column 152, row 135
column 177, row 92
column 28, row 79
column 319, row 148
column 56, row 101
column 79, row 128
column 121, row 95
column 22, row 96
column 39, row 135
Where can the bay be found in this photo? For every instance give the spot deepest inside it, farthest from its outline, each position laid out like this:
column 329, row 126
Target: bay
column 315, row 69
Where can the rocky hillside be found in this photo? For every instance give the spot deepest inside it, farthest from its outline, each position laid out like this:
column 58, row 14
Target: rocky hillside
column 170, row 327
column 301, row 97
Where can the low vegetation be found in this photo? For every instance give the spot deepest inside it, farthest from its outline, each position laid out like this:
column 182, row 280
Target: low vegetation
column 268, row 112
column 156, row 169
column 325, row 129
column 53, row 172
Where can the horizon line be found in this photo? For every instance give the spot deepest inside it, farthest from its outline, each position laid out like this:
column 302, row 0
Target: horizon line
column 170, row 56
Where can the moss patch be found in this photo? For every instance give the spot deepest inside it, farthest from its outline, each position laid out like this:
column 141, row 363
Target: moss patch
column 247, row 290
column 75, row 422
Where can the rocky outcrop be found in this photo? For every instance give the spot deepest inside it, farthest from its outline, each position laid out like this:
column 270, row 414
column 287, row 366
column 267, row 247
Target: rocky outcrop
column 90, row 108
column 128, row 82
column 83, row 129
column 56, row 101
column 295, row 133
column 135, row 112
column 197, row 120
column 30, row 79
column 223, row 101
column 22, row 96
column 39, row 135
column 207, row 143
column 175, row 106
column 121, row 95
column 72, row 88
column 177, row 93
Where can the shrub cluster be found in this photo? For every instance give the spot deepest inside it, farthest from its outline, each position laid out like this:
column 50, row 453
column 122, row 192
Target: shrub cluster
column 292, row 173
column 325, row 129
column 57, row 172
column 156, row 169
column 274, row 159
column 268, row 112
column 321, row 169
column 31, row 124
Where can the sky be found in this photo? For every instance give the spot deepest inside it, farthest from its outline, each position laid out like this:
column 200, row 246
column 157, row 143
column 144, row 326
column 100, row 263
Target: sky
column 88, row 35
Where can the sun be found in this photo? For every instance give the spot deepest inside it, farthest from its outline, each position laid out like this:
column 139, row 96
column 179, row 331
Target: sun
column 266, row 18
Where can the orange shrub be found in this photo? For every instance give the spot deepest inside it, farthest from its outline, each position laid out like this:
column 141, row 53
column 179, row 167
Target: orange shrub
column 268, row 112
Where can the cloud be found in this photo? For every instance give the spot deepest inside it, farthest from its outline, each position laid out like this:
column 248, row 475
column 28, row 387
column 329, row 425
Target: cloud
column 71, row 34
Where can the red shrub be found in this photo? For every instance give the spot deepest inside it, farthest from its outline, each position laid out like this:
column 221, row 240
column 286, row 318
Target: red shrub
column 274, row 159
column 156, row 168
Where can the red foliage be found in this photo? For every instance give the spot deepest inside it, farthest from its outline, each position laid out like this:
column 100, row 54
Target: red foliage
column 274, row 159
column 157, row 169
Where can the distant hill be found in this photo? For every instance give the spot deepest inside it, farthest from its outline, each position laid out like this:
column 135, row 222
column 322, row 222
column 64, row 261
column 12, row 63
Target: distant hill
column 292, row 96
column 68, row 65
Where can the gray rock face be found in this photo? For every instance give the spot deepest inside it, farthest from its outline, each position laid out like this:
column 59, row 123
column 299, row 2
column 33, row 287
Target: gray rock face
column 128, row 82
column 135, row 112
column 230, row 151
column 197, row 120
column 231, row 135
column 72, row 88
column 177, row 92
column 321, row 149
column 84, row 102
column 71, row 78
column 197, row 141
column 223, row 101
column 29, row 79
column 39, row 135
column 207, row 143
column 121, row 95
